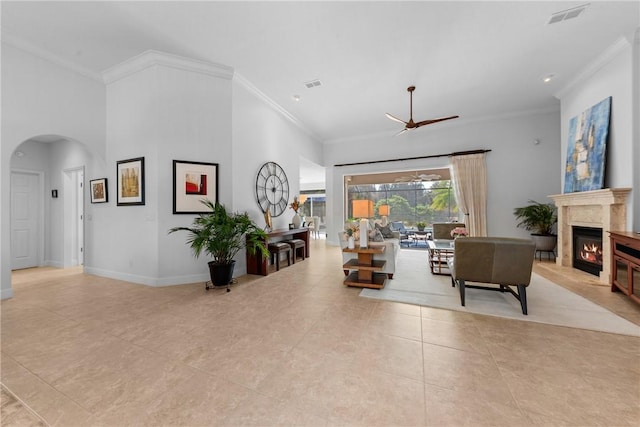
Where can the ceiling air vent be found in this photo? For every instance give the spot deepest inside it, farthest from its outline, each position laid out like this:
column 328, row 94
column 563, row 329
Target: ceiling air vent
column 574, row 12
column 313, row 83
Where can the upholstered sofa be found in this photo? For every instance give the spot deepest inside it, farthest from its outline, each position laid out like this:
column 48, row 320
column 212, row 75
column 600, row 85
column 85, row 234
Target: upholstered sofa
column 390, row 254
column 502, row 261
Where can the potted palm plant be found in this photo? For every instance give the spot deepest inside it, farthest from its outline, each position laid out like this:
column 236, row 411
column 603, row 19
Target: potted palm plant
column 539, row 218
column 221, row 235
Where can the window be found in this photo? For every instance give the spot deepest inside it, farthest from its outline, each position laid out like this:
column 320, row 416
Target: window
column 410, row 202
column 314, row 205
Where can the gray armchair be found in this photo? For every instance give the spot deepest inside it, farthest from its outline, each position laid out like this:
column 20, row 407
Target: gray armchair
column 502, row 261
column 442, row 230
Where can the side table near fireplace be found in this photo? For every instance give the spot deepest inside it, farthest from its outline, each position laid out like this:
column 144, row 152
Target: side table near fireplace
column 625, row 263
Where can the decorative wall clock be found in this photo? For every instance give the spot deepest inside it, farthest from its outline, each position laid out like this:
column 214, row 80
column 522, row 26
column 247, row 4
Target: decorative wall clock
column 272, row 189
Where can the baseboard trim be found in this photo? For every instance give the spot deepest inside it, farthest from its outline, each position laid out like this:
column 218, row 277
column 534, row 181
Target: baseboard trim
column 6, row 294
column 55, row 264
column 145, row 280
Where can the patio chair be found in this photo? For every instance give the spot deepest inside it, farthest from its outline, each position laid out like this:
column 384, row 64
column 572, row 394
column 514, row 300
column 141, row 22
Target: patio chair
column 404, row 233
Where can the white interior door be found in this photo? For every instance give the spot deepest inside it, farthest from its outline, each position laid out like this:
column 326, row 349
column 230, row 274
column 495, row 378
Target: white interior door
column 26, row 214
column 73, row 217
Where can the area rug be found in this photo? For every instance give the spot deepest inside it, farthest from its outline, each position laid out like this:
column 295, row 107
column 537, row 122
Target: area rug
column 547, row 302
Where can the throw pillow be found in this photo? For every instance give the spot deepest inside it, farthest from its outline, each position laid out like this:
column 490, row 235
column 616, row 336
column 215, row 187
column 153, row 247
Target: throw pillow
column 385, row 230
column 376, row 236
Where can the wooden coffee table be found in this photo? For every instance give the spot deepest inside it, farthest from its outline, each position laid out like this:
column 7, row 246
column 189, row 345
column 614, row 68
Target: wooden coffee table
column 439, row 253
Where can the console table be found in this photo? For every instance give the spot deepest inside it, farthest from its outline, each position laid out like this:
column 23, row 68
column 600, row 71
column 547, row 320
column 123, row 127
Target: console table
column 257, row 264
column 625, row 263
column 366, row 267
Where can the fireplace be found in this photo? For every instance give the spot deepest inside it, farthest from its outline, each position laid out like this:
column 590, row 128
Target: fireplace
column 605, row 209
column 587, row 249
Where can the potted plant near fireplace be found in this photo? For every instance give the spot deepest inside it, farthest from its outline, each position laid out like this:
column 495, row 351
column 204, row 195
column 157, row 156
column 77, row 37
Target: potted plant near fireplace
column 221, row 235
column 540, row 219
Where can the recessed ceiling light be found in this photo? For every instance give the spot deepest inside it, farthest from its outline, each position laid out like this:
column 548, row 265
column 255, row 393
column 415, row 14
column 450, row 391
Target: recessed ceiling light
column 548, row 78
column 296, row 98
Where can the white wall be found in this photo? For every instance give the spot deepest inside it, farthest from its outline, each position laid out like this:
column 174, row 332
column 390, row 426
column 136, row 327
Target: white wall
column 40, row 98
column 195, row 125
column 260, row 135
column 163, row 113
column 610, row 76
column 517, row 169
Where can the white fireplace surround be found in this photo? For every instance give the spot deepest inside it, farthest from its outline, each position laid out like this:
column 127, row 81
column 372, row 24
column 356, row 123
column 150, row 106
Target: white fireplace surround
column 606, row 209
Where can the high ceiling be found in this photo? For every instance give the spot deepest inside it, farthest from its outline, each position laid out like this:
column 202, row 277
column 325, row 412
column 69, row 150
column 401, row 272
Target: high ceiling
column 475, row 59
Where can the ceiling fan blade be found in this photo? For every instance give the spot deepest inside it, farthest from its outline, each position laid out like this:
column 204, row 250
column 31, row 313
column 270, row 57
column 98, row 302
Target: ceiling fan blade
column 395, row 119
column 428, row 122
column 401, row 132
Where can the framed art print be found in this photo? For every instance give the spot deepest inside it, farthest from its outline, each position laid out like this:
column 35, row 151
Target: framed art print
column 130, row 174
column 192, row 182
column 98, row 188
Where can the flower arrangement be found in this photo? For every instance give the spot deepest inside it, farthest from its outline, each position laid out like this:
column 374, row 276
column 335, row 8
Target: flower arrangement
column 459, row 231
column 352, row 229
column 295, row 205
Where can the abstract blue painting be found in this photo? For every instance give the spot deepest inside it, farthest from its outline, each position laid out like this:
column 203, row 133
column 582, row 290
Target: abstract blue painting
column 587, row 148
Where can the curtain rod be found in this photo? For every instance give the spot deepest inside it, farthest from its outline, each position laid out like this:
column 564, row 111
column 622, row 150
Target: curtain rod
column 457, row 153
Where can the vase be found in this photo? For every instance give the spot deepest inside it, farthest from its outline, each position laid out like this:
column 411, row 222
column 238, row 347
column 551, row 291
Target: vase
column 351, row 242
column 296, row 220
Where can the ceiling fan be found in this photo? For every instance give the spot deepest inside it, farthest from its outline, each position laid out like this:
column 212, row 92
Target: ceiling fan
column 411, row 124
column 416, row 177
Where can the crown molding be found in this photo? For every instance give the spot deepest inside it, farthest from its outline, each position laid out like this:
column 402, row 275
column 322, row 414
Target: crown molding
column 242, row 81
column 457, row 123
column 152, row 58
column 28, row 47
column 594, row 66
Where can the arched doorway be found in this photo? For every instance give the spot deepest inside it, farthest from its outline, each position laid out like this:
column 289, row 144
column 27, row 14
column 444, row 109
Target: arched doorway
column 47, row 202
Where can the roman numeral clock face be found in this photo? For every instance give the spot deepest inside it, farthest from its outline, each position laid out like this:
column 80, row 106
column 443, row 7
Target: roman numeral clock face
column 272, row 189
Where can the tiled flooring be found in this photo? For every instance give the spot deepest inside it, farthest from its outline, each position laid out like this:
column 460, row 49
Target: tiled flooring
column 298, row 348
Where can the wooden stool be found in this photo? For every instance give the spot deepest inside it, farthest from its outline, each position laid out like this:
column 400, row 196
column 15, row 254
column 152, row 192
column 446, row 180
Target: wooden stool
column 276, row 249
column 297, row 244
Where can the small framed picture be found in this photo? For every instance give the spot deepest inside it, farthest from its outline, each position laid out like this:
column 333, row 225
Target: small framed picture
column 98, row 188
column 130, row 174
column 192, row 182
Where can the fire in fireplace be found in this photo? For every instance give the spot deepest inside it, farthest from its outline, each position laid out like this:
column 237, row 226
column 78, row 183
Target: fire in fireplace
column 587, row 249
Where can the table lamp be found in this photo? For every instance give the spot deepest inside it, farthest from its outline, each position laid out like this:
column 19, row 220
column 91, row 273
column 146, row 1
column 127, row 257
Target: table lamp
column 383, row 210
column 363, row 209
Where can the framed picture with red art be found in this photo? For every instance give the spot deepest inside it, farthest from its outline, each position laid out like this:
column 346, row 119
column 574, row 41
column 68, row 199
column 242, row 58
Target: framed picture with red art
column 192, row 182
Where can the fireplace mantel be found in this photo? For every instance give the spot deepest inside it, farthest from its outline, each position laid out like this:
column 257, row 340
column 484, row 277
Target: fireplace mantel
column 606, row 209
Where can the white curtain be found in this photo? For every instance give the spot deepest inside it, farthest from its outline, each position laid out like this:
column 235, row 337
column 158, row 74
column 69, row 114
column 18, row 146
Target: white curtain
column 469, row 174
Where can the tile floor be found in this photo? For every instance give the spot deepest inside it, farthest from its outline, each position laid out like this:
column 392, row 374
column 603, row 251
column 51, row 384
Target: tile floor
column 298, row 348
